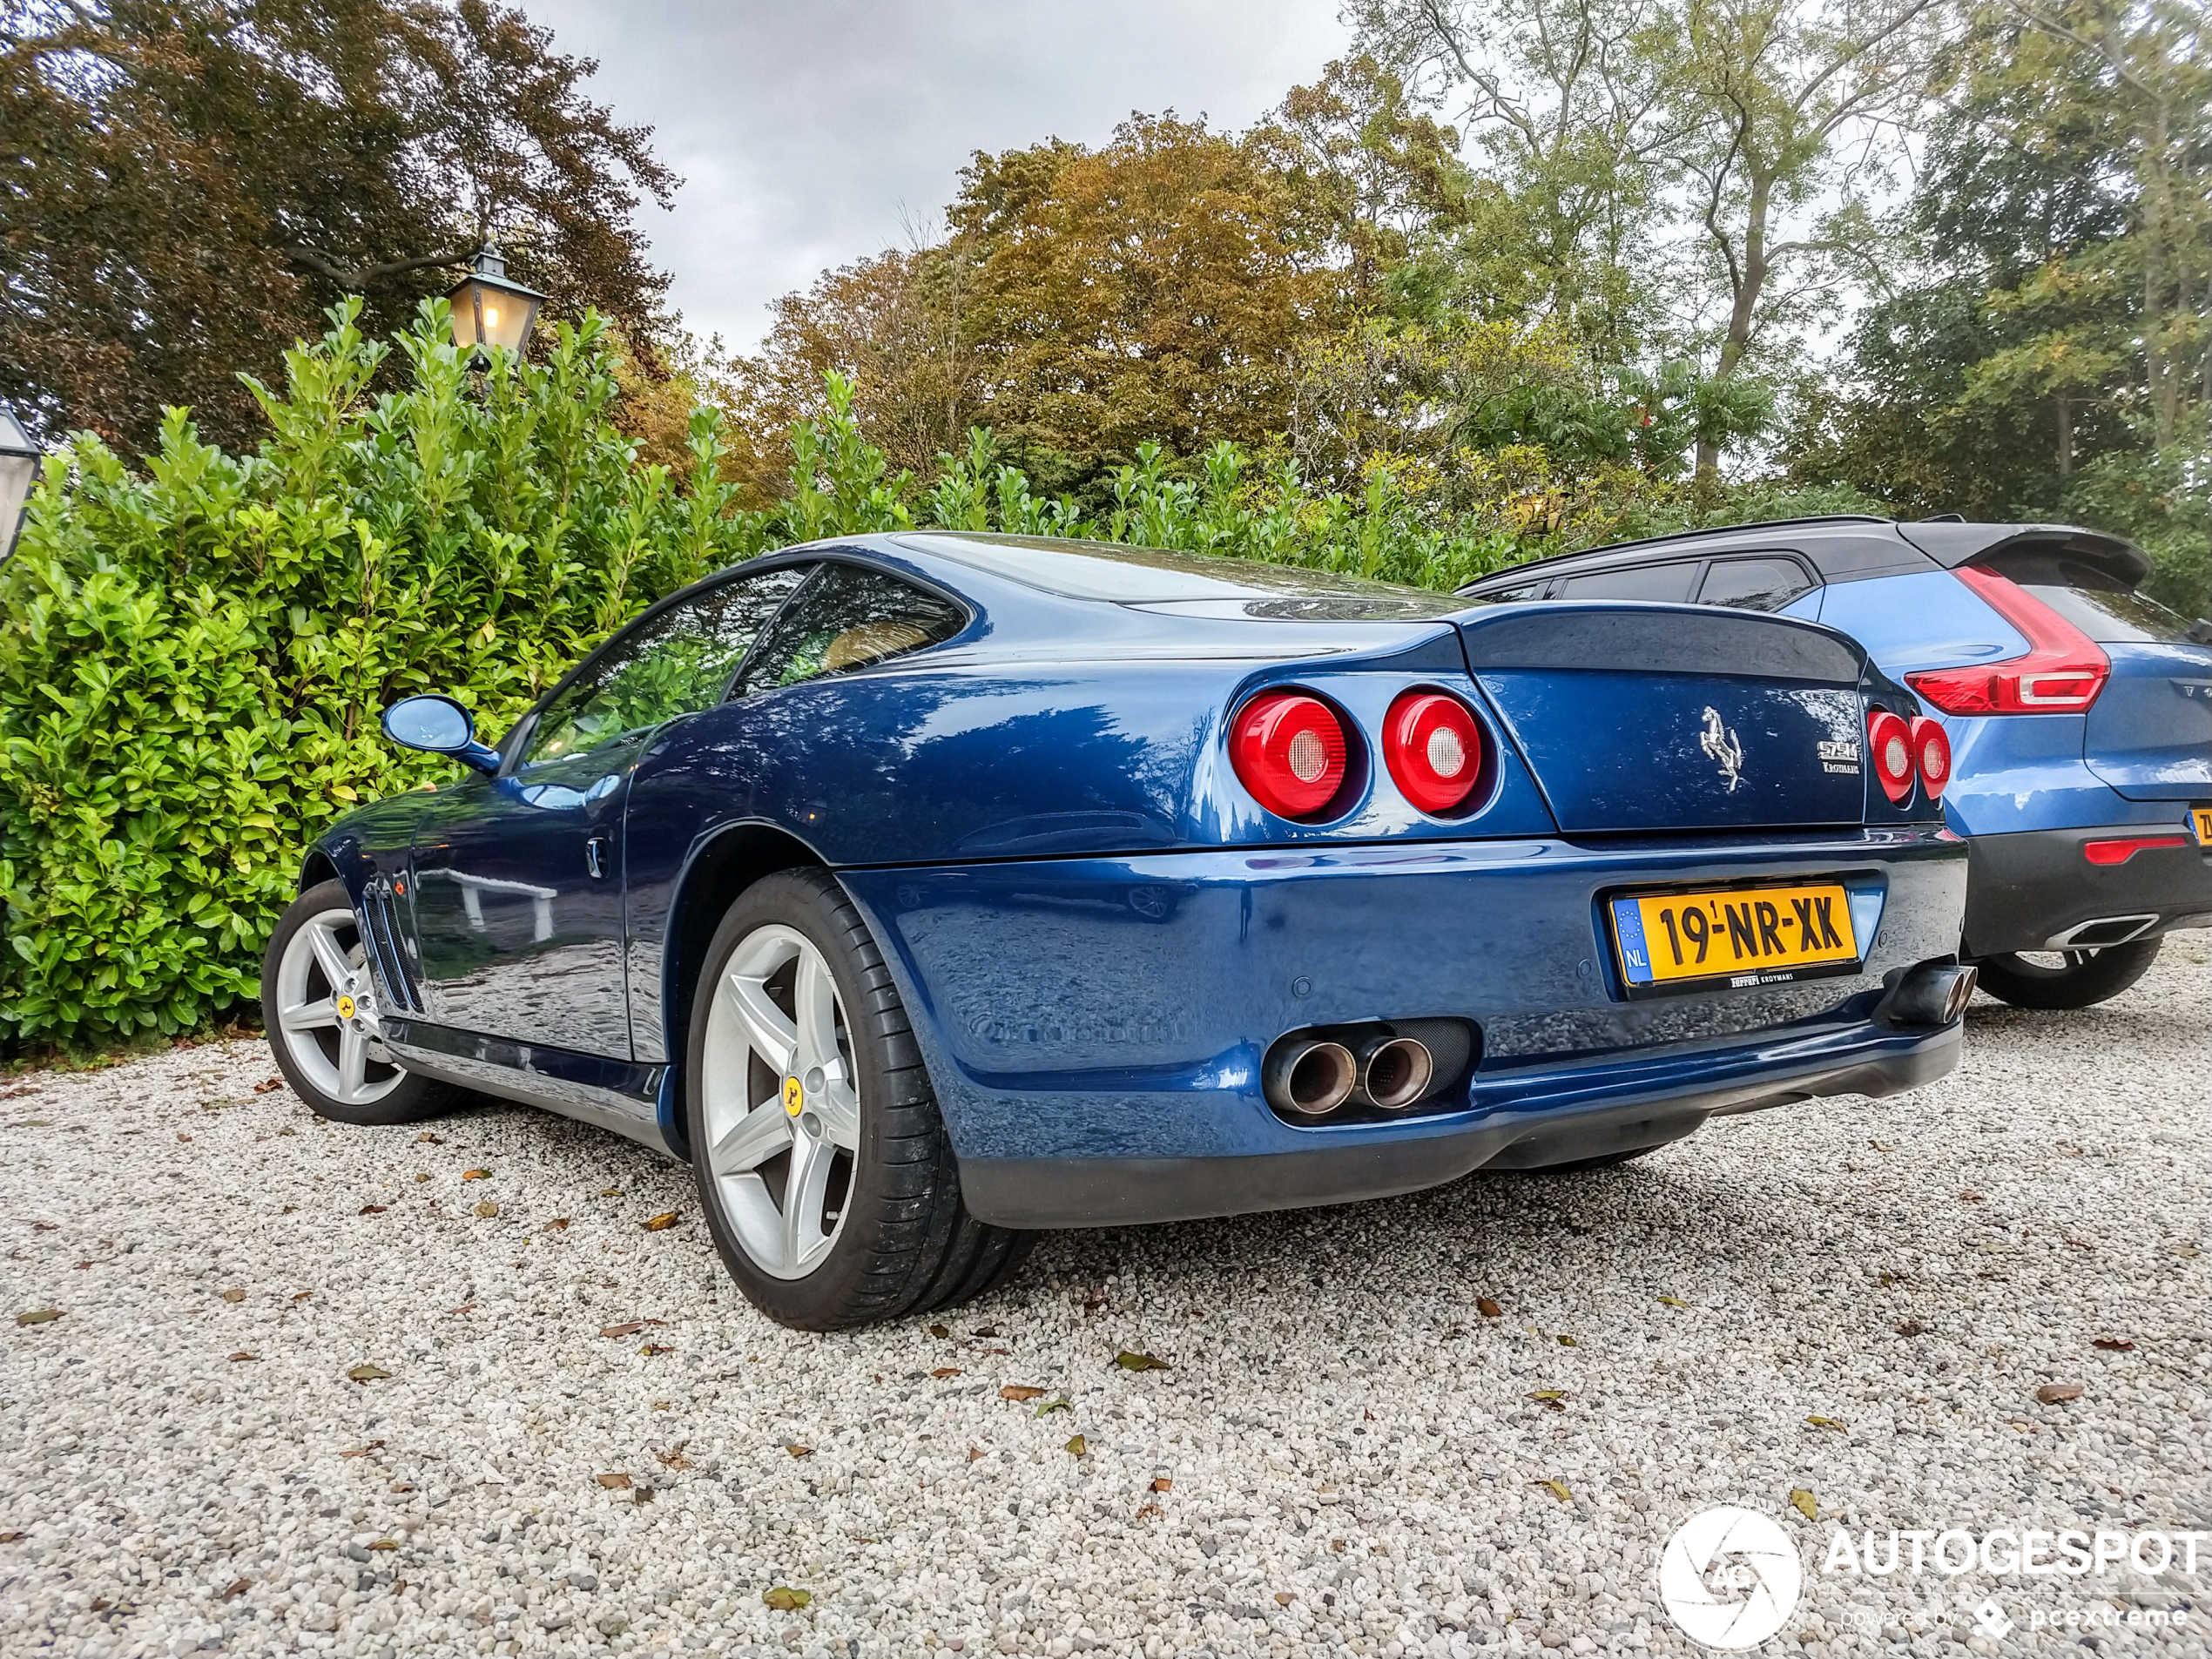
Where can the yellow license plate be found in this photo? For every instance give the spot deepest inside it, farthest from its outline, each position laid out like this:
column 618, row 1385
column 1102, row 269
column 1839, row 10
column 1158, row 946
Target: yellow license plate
column 1751, row 935
column 2201, row 819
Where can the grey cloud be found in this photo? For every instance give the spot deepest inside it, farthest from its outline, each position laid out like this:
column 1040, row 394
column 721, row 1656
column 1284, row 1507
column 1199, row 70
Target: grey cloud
column 809, row 135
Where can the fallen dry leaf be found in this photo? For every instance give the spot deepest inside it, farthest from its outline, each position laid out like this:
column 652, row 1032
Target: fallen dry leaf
column 1131, row 1361
column 374, row 1209
column 2057, row 1394
column 427, row 1139
column 1673, row 1302
column 614, row 1482
column 653, row 1348
column 943, row 1371
column 673, row 1458
column 367, row 1374
column 1970, row 1196
column 234, row 1295
column 630, row 1330
column 301, row 1296
column 797, row 1450
column 2114, row 1345
column 487, row 1210
column 1804, row 1503
column 1020, row 1391
column 1549, row 1396
column 1076, row 1446
column 985, row 1331
column 363, row 1451
column 1161, row 1483
column 1148, row 1509
column 974, row 1453
column 1050, row 1406
column 610, row 1192
column 1283, row 1598
column 941, row 1333
column 784, row 1599
column 274, row 1083
column 13, row 1537
column 1825, row 1422
column 386, row 1543
column 238, row 1588
column 559, row 1223
column 243, row 1355
column 1488, row 1309
column 1567, row 1342
column 661, row 1223
column 45, row 1226
column 465, row 1307
column 39, row 1316
column 1911, row 1328
column 475, row 1175
column 1557, row 1489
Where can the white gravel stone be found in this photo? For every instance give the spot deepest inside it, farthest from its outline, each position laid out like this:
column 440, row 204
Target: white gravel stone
column 1348, row 1447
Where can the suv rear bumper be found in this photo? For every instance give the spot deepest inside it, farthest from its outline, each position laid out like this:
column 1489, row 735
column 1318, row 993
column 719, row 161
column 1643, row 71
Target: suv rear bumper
column 2036, row 891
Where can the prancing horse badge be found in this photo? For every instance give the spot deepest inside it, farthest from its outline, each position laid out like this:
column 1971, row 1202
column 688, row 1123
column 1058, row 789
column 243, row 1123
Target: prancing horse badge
column 1721, row 746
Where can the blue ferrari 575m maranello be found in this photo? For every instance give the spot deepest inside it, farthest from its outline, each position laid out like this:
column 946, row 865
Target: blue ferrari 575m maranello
column 925, row 890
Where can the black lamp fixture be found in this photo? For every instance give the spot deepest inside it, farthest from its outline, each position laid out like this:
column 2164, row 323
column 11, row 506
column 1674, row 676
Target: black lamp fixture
column 18, row 471
column 490, row 309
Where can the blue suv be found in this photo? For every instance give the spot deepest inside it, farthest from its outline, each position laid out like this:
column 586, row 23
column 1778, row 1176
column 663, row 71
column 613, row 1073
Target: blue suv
column 2079, row 713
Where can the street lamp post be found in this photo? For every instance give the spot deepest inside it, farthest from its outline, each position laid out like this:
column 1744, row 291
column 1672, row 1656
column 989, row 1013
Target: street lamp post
column 490, row 309
column 18, row 471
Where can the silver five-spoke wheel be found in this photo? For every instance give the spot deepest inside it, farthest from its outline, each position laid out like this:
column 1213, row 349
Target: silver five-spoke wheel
column 325, row 1011
column 782, row 1106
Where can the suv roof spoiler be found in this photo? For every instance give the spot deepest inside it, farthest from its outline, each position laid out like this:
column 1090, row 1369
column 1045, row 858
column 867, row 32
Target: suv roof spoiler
column 1951, row 544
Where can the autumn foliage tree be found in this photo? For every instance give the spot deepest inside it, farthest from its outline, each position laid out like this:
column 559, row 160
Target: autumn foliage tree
column 188, row 183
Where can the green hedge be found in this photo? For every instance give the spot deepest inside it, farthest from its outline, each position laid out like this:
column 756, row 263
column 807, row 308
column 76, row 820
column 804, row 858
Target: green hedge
column 193, row 657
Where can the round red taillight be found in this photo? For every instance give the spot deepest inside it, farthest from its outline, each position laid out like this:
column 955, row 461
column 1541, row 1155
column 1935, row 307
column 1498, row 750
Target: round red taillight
column 1889, row 741
column 1289, row 749
column 1932, row 755
column 1433, row 745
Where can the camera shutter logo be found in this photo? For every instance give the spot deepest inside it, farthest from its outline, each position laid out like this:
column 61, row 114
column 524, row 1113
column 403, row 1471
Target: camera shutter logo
column 1730, row 1577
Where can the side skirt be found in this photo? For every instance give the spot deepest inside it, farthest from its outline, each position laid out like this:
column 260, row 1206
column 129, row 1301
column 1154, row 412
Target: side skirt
column 619, row 1096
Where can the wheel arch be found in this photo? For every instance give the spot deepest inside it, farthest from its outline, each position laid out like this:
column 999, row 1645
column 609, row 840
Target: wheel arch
column 316, row 868
column 719, row 870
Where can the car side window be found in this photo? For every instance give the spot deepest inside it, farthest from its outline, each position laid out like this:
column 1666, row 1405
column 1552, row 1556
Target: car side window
column 1754, row 584
column 672, row 664
column 848, row 618
column 1632, row 581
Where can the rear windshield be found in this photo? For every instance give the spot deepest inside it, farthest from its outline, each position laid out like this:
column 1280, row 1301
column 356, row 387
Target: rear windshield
column 1154, row 574
column 2113, row 618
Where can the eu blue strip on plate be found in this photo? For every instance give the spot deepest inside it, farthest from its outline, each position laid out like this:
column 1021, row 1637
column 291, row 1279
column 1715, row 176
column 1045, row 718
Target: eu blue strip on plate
column 1627, row 926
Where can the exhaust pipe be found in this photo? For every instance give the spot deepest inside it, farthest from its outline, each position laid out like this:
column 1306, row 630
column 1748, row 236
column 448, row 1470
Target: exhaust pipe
column 1394, row 1072
column 1309, row 1078
column 1933, row 994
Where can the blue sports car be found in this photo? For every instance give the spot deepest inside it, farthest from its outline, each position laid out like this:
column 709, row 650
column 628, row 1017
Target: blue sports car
column 925, row 890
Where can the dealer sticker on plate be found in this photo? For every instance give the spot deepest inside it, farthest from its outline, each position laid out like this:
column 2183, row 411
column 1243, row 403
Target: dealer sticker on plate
column 1738, row 936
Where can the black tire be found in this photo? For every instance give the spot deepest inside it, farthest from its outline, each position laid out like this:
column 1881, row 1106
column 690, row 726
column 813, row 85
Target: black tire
column 902, row 1241
column 2087, row 977
column 399, row 1096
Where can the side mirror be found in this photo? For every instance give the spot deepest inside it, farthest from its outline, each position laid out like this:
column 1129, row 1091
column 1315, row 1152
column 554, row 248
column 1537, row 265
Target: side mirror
column 440, row 725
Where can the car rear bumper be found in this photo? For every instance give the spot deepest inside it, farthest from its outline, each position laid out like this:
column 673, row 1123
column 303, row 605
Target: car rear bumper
column 1095, row 1028
column 1566, row 1115
column 2037, row 890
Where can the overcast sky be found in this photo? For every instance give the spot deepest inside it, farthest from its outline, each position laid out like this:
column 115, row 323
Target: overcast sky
column 809, row 132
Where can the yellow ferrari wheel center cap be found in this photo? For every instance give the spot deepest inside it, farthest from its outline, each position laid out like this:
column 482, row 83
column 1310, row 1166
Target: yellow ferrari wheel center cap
column 795, row 1097
column 345, row 1007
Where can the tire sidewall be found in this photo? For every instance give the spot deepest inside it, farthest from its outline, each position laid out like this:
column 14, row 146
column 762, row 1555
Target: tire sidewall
column 825, row 1299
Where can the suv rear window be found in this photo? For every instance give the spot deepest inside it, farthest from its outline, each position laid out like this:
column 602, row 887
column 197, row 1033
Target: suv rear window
column 1754, row 584
column 2113, row 619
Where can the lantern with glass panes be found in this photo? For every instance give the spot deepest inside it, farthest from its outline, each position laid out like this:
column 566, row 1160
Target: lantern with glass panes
column 490, row 309
column 18, row 471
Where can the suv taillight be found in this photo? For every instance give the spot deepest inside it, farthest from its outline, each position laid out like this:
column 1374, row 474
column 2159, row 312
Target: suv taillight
column 2061, row 673
column 1889, row 740
column 1433, row 745
column 1289, row 749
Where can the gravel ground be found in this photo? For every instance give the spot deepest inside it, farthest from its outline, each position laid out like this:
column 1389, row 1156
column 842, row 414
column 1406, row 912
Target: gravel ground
column 1352, row 1447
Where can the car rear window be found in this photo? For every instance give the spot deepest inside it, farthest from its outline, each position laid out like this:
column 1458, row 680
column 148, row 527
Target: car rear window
column 1754, row 584
column 1156, row 575
column 2111, row 618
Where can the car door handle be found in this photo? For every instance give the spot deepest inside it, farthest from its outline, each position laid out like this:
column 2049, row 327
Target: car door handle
column 595, row 851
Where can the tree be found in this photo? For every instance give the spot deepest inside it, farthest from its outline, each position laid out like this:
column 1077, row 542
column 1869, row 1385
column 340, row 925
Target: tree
column 190, row 181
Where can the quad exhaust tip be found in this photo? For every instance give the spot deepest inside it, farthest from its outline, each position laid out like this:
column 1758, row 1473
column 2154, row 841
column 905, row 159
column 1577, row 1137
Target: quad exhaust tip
column 1312, row 1079
column 1394, row 1072
column 1933, row 993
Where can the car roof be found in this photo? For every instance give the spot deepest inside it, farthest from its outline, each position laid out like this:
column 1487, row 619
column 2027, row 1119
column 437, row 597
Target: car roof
column 1845, row 547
